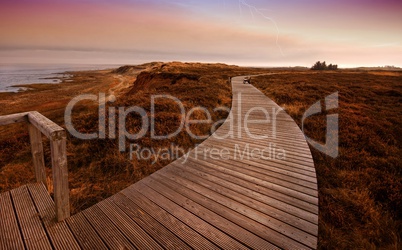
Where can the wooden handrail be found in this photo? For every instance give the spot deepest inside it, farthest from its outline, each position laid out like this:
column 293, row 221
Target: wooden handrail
column 38, row 125
column 14, row 118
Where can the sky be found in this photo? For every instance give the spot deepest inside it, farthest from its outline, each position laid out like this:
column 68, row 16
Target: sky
column 349, row 33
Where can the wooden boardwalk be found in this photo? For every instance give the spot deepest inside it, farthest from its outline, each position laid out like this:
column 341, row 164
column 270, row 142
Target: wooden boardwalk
column 228, row 194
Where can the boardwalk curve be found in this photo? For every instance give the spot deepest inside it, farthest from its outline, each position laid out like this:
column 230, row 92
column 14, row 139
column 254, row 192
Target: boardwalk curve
column 240, row 199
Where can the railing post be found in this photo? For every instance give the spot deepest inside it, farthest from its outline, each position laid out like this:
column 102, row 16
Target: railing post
column 60, row 174
column 38, row 125
column 37, row 154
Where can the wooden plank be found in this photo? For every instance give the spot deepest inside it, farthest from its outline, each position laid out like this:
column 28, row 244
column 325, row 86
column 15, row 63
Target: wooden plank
column 270, row 123
column 109, row 233
column 281, row 180
column 274, row 187
column 37, row 153
column 216, row 236
column 310, row 171
column 46, row 126
column 210, row 168
column 238, row 232
column 292, row 151
column 85, row 234
column 263, row 140
column 268, row 228
column 294, row 147
column 273, row 166
column 307, row 175
column 133, row 232
column 243, row 117
column 250, row 151
column 184, row 232
column 156, row 230
column 268, row 134
column 60, row 177
column 59, row 233
column 10, row 235
column 289, row 214
column 33, row 232
column 246, row 151
column 272, row 170
column 269, row 149
column 13, row 118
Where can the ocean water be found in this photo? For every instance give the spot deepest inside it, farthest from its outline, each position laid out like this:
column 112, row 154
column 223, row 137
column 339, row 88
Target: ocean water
column 17, row 74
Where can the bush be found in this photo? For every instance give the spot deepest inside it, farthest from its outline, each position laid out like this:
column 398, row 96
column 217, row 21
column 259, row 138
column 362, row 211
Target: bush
column 323, row 66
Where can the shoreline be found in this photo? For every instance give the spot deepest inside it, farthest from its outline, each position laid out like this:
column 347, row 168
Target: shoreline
column 18, row 78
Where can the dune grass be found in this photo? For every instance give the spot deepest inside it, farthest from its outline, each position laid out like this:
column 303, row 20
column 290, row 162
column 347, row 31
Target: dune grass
column 360, row 192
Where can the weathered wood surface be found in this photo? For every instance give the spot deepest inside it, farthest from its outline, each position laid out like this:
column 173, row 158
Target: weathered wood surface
column 14, row 118
column 27, row 221
column 50, row 129
column 38, row 125
column 60, row 177
column 205, row 202
column 37, row 153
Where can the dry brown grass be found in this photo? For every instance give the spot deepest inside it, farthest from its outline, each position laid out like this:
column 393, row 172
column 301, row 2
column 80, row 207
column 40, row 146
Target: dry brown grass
column 96, row 168
column 360, row 192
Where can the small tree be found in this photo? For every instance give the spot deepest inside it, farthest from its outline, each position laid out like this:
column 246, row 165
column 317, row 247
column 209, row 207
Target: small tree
column 323, row 66
column 317, row 66
column 332, row 67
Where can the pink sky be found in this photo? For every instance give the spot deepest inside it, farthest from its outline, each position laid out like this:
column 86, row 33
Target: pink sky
column 278, row 33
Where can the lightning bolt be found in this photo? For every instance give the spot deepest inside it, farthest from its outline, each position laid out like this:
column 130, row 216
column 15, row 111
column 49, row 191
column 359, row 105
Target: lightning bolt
column 253, row 10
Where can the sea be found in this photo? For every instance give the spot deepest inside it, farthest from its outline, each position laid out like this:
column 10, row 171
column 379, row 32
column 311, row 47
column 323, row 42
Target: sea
column 17, row 74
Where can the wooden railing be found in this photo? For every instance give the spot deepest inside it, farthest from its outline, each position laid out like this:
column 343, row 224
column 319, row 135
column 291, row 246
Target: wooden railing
column 38, row 125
